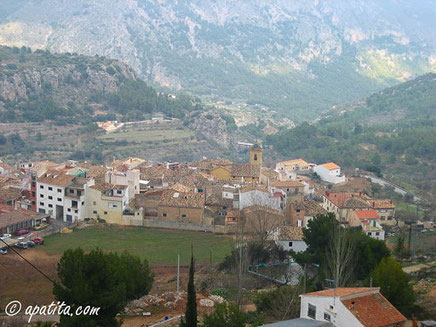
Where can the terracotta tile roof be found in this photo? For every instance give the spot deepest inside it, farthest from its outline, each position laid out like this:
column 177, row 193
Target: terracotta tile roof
column 171, row 198
column 268, row 172
column 347, row 200
column 290, row 233
column 10, row 215
column 382, row 204
column 55, row 177
column 342, row 291
column 289, row 183
column 331, row 166
column 313, row 208
column 367, row 214
column 104, row 187
column 11, row 193
column 374, row 310
column 96, row 171
column 250, row 187
column 297, row 162
column 6, row 166
column 244, row 170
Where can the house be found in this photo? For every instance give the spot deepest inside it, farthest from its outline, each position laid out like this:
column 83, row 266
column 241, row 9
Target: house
column 75, row 199
column 50, row 193
column 294, row 190
column 5, row 169
column 299, row 214
column 9, row 195
column 12, row 219
column 343, row 204
column 330, row 172
column 351, row 307
column 299, row 322
column 187, row 207
column 294, row 167
column 128, row 178
column 289, row 238
column 386, row 210
column 256, row 195
column 108, row 202
column 369, row 221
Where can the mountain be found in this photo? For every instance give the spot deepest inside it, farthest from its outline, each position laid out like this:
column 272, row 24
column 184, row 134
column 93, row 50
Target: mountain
column 391, row 133
column 76, row 89
column 296, row 58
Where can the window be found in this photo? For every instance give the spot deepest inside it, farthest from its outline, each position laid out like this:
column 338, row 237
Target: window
column 59, row 199
column 50, row 197
column 119, row 192
column 50, row 188
column 41, row 204
column 311, row 312
column 59, row 190
column 41, row 187
column 50, row 205
column 327, row 316
column 164, row 214
column 184, row 215
column 255, row 157
column 71, row 191
column 69, row 218
column 94, row 212
column 33, row 193
column 94, row 203
column 69, row 209
column 105, row 212
column 290, row 244
column 83, row 203
column 76, row 211
column 41, row 195
column 377, row 234
column 41, row 210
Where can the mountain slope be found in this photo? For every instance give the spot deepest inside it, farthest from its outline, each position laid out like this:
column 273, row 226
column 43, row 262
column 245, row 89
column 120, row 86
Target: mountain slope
column 392, row 133
column 74, row 89
column 296, row 57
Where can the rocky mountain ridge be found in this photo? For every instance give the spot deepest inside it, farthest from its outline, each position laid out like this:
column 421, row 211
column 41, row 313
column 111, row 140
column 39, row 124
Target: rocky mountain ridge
column 286, row 55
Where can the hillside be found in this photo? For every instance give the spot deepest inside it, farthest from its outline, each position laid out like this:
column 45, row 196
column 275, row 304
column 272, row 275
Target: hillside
column 393, row 133
column 75, row 89
column 295, row 57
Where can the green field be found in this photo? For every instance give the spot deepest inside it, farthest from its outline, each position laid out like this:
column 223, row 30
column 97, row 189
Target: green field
column 158, row 246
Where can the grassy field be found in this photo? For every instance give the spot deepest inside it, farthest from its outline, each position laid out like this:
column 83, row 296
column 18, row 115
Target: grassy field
column 158, row 246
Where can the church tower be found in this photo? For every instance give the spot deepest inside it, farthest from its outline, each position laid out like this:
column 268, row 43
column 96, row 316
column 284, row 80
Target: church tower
column 256, row 155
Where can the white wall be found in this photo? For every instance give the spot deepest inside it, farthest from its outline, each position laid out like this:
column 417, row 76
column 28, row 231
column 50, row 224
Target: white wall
column 331, row 176
column 297, row 246
column 339, row 314
column 256, row 197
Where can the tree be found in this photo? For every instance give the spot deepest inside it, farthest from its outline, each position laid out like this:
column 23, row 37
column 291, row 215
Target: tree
column 191, row 304
column 340, row 256
column 281, row 303
column 105, row 280
column 225, row 314
column 399, row 247
column 393, row 283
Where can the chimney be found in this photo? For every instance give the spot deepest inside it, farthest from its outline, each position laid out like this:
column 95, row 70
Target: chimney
column 373, row 204
column 327, row 193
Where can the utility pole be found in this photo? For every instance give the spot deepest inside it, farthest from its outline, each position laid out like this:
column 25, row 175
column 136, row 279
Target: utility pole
column 178, row 273
column 304, row 284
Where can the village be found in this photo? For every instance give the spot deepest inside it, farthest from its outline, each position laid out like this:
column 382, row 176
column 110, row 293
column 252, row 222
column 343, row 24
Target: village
column 215, row 196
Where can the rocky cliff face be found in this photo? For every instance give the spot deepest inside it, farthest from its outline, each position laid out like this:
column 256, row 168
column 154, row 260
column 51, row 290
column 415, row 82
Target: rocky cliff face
column 211, row 125
column 297, row 56
column 66, row 78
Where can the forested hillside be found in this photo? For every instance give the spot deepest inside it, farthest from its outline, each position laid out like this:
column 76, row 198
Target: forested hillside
column 74, row 89
column 392, row 134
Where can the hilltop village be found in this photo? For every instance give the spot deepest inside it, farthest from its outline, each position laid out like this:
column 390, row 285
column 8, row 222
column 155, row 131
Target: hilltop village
column 214, row 195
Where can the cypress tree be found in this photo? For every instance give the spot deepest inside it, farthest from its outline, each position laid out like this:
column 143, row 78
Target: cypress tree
column 191, row 304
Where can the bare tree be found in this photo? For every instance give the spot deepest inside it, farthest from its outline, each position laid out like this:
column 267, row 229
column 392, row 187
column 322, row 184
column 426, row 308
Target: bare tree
column 340, row 257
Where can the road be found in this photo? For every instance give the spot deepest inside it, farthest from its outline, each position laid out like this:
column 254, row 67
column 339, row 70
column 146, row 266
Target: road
column 397, row 189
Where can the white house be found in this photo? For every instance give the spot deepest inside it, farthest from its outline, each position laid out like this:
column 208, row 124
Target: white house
column 289, row 238
column 330, row 172
column 294, row 167
column 251, row 196
column 351, row 307
column 62, row 196
column 130, row 178
column 369, row 221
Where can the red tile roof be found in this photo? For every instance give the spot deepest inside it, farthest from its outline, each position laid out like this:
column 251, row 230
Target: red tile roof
column 373, row 310
column 171, row 198
column 382, row 204
column 367, row 214
column 347, row 200
column 285, row 184
column 342, row 291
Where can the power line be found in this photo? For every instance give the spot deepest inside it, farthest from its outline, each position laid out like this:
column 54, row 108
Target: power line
column 35, row 267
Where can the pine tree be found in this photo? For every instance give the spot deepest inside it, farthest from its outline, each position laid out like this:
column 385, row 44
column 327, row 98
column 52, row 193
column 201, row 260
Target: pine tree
column 191, row 304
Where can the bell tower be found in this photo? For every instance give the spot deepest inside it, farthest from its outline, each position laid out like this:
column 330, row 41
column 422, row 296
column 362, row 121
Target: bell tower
column 256, row 155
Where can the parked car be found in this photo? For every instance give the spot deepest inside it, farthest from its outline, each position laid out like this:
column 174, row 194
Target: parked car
column 5, row 236
column 40, row 226
column 21, row 245
column 30, row 244
column 22, row 232
column 3, row 251
column 38, row 240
